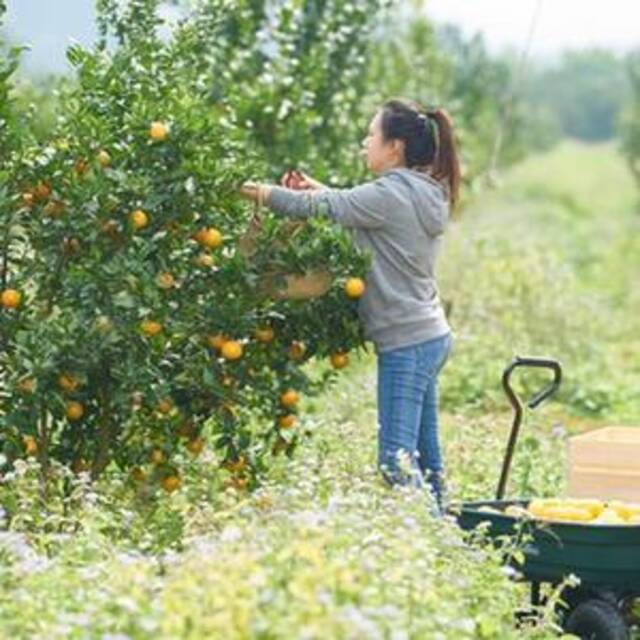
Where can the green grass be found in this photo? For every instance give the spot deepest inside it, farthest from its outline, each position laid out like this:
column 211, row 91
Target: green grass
column 546, row 264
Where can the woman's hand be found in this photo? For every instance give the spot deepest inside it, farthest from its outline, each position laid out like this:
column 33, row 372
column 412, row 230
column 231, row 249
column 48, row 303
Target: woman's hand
column 299, row 181
column 255, row 190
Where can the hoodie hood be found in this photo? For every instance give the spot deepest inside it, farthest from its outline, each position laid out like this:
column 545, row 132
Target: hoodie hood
column 429, row 198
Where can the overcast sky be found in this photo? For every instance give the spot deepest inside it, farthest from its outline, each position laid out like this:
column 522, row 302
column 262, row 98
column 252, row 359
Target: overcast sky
column 50, row 25
column 562, row 24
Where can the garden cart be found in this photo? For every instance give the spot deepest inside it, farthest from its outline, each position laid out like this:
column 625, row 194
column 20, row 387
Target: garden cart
column 606, row 558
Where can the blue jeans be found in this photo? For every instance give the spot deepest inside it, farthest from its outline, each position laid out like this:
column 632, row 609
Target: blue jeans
column 408, row 413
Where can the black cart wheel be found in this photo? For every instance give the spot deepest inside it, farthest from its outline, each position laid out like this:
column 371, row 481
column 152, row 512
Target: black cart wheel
column 597, row 620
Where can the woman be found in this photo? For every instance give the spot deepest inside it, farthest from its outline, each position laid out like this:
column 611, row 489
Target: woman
column 400, row 218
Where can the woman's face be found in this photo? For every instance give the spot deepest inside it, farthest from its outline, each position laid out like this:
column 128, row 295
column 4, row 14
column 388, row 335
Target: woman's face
column 380, row 154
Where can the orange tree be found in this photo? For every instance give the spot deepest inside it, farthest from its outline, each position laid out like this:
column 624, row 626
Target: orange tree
column 129, row 317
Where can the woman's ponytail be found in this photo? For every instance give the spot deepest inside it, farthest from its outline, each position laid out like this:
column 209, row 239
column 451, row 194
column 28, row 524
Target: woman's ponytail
column 445, row 166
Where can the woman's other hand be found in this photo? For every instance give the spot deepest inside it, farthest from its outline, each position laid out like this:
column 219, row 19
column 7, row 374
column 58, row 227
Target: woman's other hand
column 254, row 190
column 298, row 180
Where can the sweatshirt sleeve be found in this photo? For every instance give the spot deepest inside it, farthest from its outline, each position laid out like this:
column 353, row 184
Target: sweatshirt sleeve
column 362, row 206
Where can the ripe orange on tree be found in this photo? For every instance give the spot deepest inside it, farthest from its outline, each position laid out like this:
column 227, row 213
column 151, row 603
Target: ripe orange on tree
column 231, row 350
column 195, row 446
column 165, row 406
column 68, row 382
column 171, row 483
column 339, row 360
column 237, row 465
column 209, row 237
column 74, row 410
column 287, row 421
column 30, row 445
column 150, row 327
column 139, row 219
column 354, row 287
column 158, row 131
column 10, row 298
column 289, row 398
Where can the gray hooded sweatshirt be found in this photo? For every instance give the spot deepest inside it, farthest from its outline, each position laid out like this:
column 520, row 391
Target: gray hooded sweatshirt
column 399, row 218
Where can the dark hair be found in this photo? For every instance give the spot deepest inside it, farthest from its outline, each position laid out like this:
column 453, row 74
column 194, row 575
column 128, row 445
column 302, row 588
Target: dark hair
column 428, row 138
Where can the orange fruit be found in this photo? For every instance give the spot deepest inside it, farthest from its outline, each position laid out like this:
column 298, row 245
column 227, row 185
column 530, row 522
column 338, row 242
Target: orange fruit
column 103, row 158
column 297, row 350
column 150, row 327
column 289, row 398
column 204, row 260
column 171, row 483
column 158, row 131
column 42, row 191
column 235, row 466
column 339, row 360
column 209, row 237
column 139, row 219
column 68, row 382
column 10, row 298
column 195, row 446
column 264, row 334
column 157, row 456
column 165, row 406
column 75, row 411
column 231, row 350
column 215, row 341
column 165, row 280
column 286, row 422
column 26, row 385
column 354, row 287
column 30, row 445
column 138, row 474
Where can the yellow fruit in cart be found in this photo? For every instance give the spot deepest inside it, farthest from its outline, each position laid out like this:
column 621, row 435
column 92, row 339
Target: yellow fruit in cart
column 538, row 506
column 609, row 516
column 625, row 510
column 634, row 520
column 595, row 507
column 566, row 513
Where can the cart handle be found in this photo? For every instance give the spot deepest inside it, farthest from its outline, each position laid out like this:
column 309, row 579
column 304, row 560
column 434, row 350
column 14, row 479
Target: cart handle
column 537, row 399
